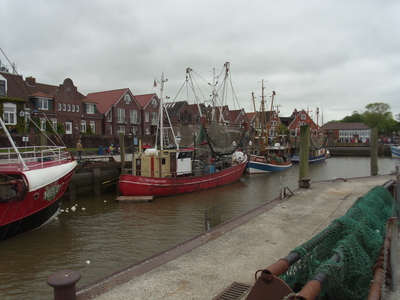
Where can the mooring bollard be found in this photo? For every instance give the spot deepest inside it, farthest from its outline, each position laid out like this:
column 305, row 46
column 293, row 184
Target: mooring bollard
column 63, row 283
column 305, row 183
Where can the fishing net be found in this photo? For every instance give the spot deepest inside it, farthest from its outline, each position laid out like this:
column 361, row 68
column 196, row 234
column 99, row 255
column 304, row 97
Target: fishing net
column 223, row 139
column 356, row 238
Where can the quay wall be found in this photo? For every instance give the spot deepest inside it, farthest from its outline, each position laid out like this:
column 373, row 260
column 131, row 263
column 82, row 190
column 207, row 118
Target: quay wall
column 94, row 178
column 359, row 150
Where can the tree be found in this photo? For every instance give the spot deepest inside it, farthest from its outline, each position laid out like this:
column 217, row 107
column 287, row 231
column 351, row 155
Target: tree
column 378, row 116
column 356, row 117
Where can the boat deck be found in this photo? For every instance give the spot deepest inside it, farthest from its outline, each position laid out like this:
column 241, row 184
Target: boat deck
column 34, row 158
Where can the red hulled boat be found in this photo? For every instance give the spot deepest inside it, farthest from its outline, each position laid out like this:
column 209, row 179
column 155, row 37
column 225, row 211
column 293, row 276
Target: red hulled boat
column 212, row 161
column 32, row 181
column 212, row 176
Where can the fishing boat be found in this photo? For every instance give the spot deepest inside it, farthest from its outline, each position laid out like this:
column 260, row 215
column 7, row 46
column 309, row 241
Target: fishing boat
column 166, row 170
column 395, row 150
column 316, row 157
column 316, row 154
column 269, row 151
column 32, row 181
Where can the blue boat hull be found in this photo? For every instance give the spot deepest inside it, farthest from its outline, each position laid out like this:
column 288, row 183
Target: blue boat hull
column 259, row 165
column 395, row 151
column 311, row 159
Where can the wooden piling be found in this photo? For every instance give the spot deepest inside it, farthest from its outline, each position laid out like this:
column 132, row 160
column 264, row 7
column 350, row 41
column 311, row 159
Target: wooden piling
column 374, row 152
column 122, row 152
column 72, row 192
column 304, row 150
column 212, row 217
column 97, row 181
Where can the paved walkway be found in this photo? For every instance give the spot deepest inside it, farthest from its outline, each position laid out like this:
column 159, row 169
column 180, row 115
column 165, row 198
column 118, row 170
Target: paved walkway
column 202, row 267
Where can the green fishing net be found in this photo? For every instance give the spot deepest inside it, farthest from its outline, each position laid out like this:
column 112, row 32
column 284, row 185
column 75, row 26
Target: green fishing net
column 356, row 238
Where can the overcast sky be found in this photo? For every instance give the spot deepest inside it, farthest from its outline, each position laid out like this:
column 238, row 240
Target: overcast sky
column 337, row 56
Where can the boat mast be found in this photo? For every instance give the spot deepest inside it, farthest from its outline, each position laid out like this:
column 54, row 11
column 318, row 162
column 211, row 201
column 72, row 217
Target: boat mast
column 263, row 117
column 162, row 111
column 13, row 145
column 271, row 115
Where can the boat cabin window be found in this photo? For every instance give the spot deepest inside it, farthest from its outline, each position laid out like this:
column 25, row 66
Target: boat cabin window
column 186, row 154
column 163, row 161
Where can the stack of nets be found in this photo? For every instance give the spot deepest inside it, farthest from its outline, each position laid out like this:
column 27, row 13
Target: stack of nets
column 356, row 238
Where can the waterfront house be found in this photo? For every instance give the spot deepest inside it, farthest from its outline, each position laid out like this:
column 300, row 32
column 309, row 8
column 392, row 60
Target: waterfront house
column 302, row 118
column 120, row 109
column 348, row 132
column 150, row 108
column 60, row 108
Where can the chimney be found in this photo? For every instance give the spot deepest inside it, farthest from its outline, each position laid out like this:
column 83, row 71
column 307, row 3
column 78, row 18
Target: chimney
column 30, row 80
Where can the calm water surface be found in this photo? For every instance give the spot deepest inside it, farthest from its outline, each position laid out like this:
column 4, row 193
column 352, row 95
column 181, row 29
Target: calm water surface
column 114, row 235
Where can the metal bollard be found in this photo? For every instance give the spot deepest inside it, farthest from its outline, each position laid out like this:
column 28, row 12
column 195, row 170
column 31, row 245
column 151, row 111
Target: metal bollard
column 63, row 283
column 305, row 183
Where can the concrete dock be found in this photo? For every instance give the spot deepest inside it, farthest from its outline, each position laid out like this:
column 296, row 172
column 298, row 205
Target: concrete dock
column 204, row 266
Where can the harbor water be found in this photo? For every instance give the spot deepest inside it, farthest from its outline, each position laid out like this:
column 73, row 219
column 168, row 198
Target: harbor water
column 99, row 236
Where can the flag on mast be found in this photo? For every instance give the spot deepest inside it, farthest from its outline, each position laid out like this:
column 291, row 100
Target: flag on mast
column 155, row 83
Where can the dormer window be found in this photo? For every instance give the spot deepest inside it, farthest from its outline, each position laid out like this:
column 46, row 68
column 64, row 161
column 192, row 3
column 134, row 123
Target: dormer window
column 154, row 102
column 43, row 104
column 303, row 116
column 89, row 108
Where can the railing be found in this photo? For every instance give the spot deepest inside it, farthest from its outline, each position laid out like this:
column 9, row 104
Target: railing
column 134, row 120
column 36, row 156
column 122, row 120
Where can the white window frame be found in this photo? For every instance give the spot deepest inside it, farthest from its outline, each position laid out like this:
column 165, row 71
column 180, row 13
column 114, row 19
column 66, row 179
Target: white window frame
column 68, row 127
column 10, row 113
column 3, row 88
column 77, row 108
column 43, row 104
column 109, row 116
column 90, row 109
column 59, row 106
column 134, row 116
column 147, row 117
column 109, row 129
column 127, row 99
column 121, row 129
column 43, row 124
column 54, row 123
column 64, row 107
column 154, row 118
column 92, row 125
column 303, row 116
column 120, row 115
column 134, row 130
column 83, row 126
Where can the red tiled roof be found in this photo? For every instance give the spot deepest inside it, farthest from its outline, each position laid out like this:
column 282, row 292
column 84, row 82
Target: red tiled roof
column 106, row 99
column 17, row 87
column 87, row 100
column 144, row 100
column 41, row 94
column 339, row 126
